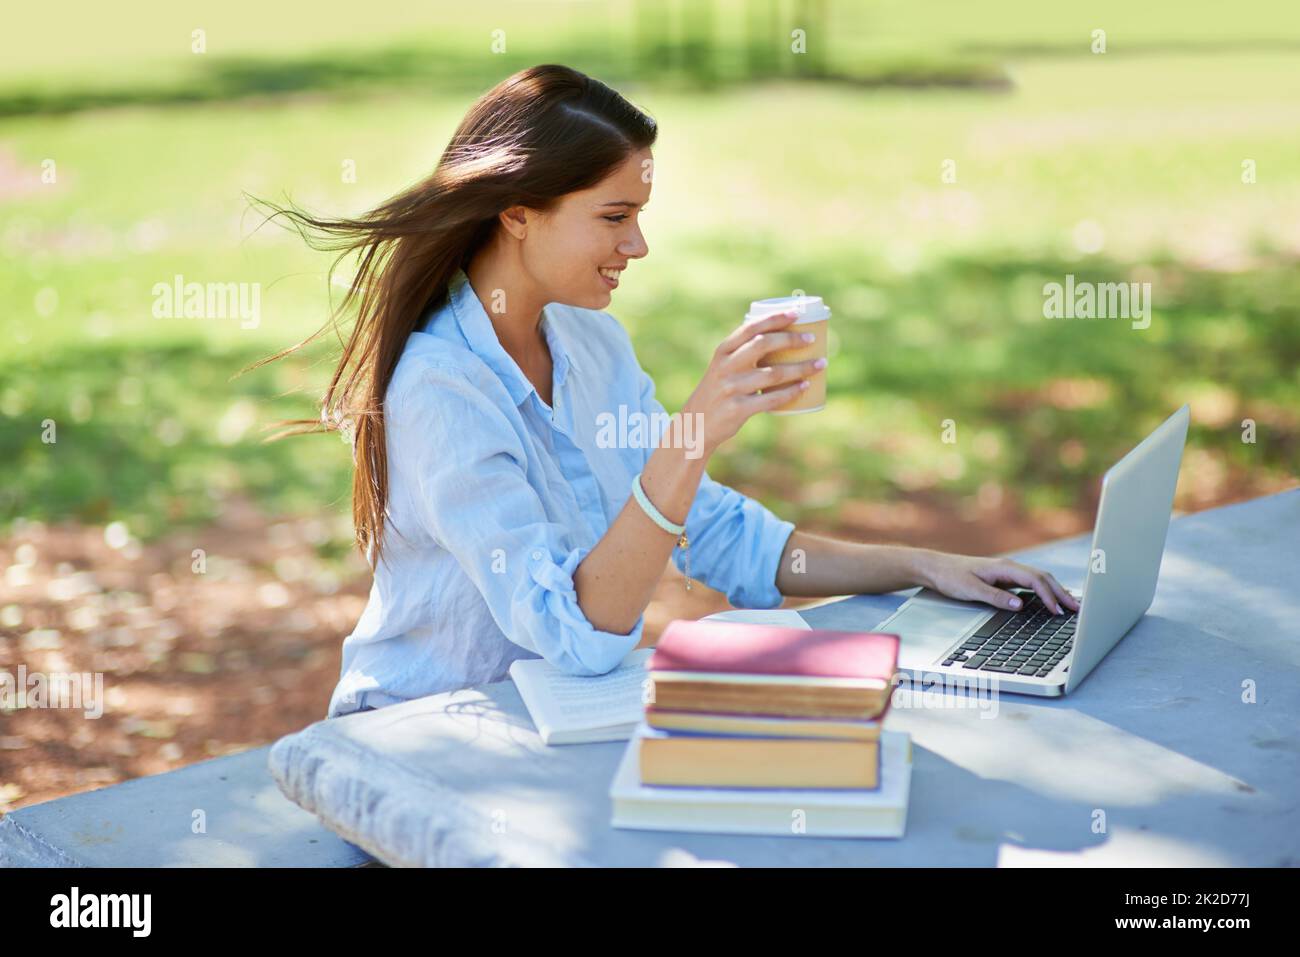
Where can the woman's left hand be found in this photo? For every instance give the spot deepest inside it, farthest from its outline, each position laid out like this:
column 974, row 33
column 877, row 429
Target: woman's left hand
column 971, row 578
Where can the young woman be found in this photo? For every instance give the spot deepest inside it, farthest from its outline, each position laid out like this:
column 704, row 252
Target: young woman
column 498, row 521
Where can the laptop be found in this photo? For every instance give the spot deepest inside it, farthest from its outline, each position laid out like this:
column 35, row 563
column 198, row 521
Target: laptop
column 1030, row 650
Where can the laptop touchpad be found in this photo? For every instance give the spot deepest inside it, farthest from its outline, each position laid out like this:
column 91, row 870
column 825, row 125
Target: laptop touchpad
column 931, row 627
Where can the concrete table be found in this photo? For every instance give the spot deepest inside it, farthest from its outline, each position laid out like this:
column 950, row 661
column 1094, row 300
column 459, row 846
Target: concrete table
column 1181, row 748
column 150, row 822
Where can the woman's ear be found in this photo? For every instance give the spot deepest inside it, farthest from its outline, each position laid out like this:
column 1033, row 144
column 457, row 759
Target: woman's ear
column 515, row 220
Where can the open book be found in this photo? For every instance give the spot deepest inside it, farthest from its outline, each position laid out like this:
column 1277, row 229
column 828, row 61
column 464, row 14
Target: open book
column 572, row 709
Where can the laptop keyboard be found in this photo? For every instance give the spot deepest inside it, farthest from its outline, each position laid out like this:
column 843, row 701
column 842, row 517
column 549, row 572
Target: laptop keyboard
column 1031, row 641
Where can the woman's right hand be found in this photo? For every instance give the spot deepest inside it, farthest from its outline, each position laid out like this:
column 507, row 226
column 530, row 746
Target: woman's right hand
column 726, row 396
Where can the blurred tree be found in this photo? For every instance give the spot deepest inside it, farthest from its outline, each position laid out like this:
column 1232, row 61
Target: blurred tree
column 689, row 36
column 810, row 16
column 698, row 50
column 652, row 41
column 763, row 40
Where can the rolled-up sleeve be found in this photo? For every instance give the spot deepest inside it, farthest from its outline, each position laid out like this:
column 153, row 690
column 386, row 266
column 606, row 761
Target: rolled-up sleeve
column 473, row 496
column 736, row 543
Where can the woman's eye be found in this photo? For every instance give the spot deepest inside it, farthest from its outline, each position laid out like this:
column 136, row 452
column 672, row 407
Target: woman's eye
column 617, row 219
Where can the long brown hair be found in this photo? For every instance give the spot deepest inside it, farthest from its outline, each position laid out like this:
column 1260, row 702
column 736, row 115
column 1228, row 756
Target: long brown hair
column 543, row 132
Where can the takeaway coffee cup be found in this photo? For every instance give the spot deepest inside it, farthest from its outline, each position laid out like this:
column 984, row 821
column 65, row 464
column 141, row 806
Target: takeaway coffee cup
column 814, row 317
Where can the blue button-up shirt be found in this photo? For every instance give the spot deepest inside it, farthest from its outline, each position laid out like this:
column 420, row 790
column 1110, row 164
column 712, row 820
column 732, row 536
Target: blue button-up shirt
column 495, row 497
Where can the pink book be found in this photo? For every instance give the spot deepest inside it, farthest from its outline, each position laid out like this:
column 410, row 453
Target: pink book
column 736, row 648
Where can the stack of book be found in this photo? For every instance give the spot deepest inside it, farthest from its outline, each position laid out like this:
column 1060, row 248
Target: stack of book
column 767, row 729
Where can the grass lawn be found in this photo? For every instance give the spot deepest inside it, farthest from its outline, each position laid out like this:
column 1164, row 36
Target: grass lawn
column 1119, row 168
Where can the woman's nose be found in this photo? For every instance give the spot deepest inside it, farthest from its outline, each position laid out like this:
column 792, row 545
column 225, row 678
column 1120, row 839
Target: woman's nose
column 636, row 247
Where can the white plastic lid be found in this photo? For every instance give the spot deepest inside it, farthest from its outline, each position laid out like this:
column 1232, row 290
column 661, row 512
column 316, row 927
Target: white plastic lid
column 810, row 308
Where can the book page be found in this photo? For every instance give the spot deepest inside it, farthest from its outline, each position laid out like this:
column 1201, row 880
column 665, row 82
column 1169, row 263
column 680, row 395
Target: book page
column 784, row 617
column 576, row 702
column 613, row 698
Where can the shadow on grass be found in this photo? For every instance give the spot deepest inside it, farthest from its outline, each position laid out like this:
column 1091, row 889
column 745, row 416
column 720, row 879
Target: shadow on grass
column 1187, row 46
column 1055, row 401
column 161, row 435
column 453, row 69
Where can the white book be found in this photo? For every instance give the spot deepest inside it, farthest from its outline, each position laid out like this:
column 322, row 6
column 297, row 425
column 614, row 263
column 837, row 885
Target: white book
column 578, row 709
column 575, row 709
column 819, row 812
column 785, row 617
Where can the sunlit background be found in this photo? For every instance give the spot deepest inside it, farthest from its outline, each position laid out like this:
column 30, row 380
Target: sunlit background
column 926, row 167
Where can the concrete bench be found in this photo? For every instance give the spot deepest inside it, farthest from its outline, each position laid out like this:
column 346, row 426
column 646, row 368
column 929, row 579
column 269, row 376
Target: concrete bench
column 150, row 822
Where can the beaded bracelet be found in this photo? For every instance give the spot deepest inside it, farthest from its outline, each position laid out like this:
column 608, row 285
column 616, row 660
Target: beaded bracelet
column 672, row 528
